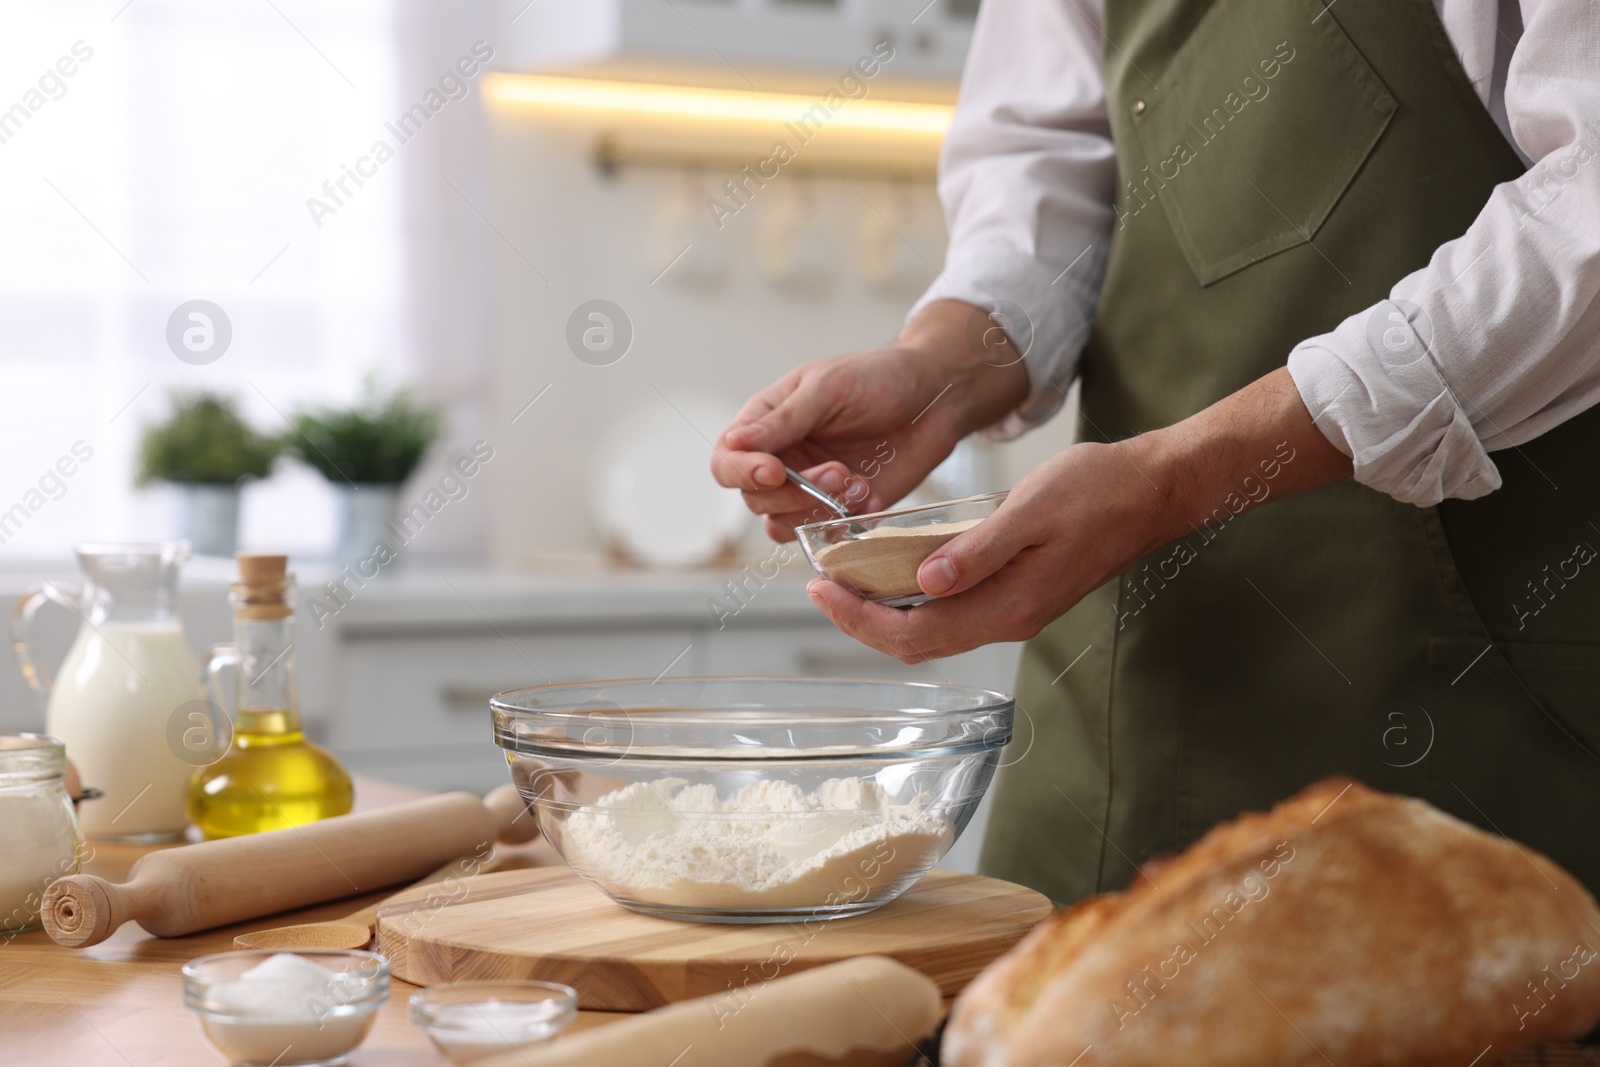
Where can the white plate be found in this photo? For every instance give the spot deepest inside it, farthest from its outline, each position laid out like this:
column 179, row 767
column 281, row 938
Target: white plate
column 651, row 492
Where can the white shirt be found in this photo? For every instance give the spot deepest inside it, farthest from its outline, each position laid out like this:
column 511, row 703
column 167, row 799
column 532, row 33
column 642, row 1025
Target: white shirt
column 1028, row 175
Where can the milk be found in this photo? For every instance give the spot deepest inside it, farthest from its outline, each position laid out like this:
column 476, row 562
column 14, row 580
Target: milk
column 112, row 703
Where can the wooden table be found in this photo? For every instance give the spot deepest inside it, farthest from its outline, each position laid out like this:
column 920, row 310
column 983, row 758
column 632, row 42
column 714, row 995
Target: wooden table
column 120, row 1003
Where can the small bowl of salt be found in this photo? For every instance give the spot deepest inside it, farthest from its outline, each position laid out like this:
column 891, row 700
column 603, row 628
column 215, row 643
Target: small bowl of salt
column 468, row 1021
column 288, row 1009
column 877, row 556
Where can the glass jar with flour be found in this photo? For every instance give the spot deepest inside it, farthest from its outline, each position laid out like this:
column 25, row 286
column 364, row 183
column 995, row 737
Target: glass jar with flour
column 129, row 675
column 38, row 834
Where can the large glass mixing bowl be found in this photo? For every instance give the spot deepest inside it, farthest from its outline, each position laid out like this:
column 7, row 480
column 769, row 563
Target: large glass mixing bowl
column 748, row 800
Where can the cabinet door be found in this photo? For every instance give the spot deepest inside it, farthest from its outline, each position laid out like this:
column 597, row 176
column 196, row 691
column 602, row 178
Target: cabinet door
column 435, row 769
column 822, row 651
column 411, row 691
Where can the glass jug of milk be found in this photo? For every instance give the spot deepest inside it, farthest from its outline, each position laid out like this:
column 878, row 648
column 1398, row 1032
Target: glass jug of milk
column 127, row 684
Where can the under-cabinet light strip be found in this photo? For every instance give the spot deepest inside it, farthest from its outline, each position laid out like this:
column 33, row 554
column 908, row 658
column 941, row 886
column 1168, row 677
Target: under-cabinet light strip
column 721, row 105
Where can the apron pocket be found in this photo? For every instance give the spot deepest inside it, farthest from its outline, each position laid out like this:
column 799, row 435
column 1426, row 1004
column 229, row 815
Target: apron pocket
column 1258, row 126
column 1565, row 679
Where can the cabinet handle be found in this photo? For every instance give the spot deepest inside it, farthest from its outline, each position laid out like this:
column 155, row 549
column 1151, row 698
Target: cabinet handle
column 847, row 665
column 470, row 698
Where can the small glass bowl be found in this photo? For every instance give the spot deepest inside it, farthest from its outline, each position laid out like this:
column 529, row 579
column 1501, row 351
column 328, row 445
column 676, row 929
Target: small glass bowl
column 752, row 800
column 878, row 572
column 261, row 1023
column 467, row 1021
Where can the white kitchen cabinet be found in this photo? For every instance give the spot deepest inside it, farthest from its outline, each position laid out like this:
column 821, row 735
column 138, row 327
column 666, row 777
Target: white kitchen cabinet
column 397, row 682
column 816, row 648
column 415, row 659
column 414, row 707
column 417, row 691
column 410, row 696
column 930, row 38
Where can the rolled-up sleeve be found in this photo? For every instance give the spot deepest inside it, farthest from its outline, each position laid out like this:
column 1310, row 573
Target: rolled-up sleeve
column 1497, row 339
column 1027, row 177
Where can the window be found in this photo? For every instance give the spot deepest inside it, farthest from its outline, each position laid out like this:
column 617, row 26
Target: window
column 162, row 153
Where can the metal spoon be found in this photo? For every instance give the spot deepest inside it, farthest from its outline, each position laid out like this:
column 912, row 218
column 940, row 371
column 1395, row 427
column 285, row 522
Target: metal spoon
column 814, row 490
column 838, row 506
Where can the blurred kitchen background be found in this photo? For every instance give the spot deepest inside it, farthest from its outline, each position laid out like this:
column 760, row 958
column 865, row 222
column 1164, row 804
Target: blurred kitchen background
column 537, row 156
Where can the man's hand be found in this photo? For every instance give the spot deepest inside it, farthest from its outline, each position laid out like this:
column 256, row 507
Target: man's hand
column 1084, row 516
column 869, row 426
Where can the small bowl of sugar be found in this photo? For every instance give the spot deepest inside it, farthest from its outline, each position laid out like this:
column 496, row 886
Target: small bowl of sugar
column 468, row 1021
column 309, row 1008
column 876, row 556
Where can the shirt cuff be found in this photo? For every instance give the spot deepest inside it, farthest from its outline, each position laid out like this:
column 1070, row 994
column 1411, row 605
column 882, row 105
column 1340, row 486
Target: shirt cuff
column 1374, row 390
column 1045, row 310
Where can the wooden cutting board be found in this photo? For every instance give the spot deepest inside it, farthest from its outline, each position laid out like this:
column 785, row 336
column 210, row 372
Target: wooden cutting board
column 549, row 924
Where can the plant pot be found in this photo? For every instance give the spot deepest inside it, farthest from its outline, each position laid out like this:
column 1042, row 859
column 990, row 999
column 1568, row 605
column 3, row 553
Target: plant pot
column 364, row 514
column 211, row 518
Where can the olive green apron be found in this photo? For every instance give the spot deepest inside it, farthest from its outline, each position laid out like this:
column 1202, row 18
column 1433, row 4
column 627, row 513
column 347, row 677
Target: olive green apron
column 1281, row 166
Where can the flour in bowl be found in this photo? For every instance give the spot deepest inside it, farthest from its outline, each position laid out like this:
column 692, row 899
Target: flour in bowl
column 770, row 845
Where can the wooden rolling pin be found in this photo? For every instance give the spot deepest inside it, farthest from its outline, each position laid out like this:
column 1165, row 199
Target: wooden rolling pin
column 196, row 887
column 866, row 1012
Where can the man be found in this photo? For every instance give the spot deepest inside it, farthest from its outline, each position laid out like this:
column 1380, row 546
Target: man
column 1314, row 242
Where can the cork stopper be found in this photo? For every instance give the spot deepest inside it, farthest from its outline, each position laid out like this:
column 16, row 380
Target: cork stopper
column 262, row 589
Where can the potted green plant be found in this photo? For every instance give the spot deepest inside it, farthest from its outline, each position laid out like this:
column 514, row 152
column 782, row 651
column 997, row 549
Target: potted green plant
column 207, row 450
column 367, row 452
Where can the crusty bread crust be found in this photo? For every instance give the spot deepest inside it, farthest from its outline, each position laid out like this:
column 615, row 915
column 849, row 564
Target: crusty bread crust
column 1344, row 926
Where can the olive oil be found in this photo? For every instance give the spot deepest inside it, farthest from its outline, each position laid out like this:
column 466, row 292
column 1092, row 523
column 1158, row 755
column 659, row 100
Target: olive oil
column 271, row 777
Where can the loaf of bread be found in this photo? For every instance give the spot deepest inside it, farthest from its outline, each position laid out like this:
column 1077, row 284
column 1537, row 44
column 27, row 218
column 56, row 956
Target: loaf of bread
column 1344, row 927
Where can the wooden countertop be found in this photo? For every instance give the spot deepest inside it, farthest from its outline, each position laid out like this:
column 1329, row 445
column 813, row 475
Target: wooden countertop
column 120, row 1003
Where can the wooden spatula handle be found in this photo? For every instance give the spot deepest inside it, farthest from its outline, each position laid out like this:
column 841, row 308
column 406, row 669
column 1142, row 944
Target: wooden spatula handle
column 178, row 891
column 458, row 869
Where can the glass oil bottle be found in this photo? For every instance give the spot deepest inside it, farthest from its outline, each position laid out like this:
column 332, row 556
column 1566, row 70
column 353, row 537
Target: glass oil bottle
column 271, row 776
